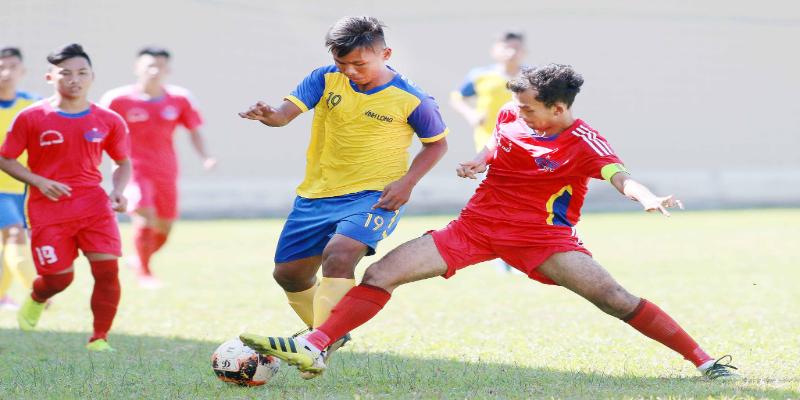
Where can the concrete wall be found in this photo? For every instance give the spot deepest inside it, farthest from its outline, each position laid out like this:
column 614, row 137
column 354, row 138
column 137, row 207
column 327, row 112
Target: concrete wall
column 699, row 98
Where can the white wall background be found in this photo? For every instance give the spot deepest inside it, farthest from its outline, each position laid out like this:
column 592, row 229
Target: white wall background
column 699, row 98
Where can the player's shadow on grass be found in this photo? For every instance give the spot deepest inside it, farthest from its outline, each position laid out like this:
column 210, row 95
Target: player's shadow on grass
column 56, row 365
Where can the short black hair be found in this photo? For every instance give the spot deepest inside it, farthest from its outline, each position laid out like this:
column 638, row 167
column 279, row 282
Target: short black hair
column 10, row 52
column 65, row 53
column 511, row 35
column 154, row 51
column 553, row 82
column 350, row 33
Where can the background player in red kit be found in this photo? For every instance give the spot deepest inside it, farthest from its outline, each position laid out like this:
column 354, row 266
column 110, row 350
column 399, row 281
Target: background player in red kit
column 523, row 212
column 65, row 136
column 153, row 110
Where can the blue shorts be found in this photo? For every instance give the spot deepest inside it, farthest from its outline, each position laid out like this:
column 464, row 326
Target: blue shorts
column 313, row 222
column 12, row 209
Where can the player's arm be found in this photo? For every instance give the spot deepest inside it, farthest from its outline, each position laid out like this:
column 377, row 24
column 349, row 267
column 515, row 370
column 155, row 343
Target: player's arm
column 634, row 190
column 397, row 193
column 477, row 165
column 51, row 189
column 199, row 144
column 272, row 116
column 460, row 103
column 120, row 179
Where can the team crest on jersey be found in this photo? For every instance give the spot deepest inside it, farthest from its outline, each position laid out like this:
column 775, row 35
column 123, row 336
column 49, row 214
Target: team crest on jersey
column 546, row 163
column 95, row 135
column 169, row 113
column 50, row 137
column 137, row 115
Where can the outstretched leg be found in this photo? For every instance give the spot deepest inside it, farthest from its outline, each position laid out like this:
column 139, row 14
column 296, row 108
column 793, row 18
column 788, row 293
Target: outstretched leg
column 413, row 261
column 581, row 274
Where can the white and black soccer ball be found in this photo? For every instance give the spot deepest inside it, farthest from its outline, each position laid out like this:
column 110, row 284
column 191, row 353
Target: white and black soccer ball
column 233, row 362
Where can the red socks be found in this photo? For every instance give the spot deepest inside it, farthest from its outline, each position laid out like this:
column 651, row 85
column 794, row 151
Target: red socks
column 105, row 296
column 46, row 286
column 147, row 241
column 358, row 306
column 654, row 323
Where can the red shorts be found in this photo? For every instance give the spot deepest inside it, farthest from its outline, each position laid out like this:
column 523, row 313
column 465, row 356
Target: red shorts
column 160, row 195
column 55, row 247
column 469, row 241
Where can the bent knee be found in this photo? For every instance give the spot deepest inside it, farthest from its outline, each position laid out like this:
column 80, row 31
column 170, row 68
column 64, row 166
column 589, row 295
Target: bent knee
column 379, row 276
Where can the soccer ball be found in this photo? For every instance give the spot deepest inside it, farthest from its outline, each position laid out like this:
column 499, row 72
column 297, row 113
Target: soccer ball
column 233, row 362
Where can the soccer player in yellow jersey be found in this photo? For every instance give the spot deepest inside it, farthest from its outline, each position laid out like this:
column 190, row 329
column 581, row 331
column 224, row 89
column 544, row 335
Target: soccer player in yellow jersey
column 357, row 176
column 487, row 86
column 16, row 260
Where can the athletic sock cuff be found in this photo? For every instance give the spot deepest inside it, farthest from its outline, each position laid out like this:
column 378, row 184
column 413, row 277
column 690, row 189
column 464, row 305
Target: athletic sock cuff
column 372, row 294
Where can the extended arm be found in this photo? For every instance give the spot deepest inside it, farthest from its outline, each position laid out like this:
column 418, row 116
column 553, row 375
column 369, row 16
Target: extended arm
column 51, row 189
column 398, row 192
column 272, row 116
column 634, row 190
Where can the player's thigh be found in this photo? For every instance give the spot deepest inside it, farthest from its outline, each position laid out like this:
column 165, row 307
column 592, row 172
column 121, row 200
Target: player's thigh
column 99, row 235
column 341, row 255
column 163, row 225
column 412, row 261
column 54, row 248
column 583, row 275
column 307, row 230
column 367, row 225
column 165, row 201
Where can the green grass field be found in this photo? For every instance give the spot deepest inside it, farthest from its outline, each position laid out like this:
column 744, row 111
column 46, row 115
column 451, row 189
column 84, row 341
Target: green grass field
column 730, row 278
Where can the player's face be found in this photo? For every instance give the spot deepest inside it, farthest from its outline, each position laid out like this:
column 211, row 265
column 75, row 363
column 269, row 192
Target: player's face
column 535, row 114
column 149, row 68
column 72, row 78
column 364, row 64
column 508, row 51
column 11, row 72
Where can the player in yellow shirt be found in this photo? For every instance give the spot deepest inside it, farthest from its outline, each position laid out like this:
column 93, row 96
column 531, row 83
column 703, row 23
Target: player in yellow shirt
column 357, row 176
column 487, row 86
column 16, row 260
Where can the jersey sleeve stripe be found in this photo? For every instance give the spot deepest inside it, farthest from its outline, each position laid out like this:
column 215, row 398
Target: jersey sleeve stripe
column 593, row 137
column 297, row 102
column 435, row 138
column 599, row 141
column 590, row 143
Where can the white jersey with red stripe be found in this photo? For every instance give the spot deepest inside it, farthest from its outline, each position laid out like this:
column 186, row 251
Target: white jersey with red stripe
column 537, row 180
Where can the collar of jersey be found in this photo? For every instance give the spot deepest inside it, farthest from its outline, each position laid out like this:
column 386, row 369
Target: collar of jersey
column 8, row 103
column 377, row 88
column 74, row 115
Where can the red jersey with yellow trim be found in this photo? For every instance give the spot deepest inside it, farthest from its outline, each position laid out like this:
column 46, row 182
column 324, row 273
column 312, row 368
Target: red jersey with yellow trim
column 152, row 123
column 67, row 148
column 536, row 181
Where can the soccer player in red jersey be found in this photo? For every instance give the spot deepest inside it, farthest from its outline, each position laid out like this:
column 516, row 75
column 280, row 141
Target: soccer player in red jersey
column 65, row 136
column 153, row 110
column 540, row 159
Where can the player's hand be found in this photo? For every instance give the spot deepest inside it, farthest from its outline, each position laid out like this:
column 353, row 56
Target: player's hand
column 53, row 190
column 661, row 204
column 259, row 112
column 209, row 163
column 118, row 201
column 394, row 195
column 476, row 119
column 468, row 169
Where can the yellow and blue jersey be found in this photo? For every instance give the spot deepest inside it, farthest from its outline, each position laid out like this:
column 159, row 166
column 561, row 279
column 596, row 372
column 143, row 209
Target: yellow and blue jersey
column 360, row 140
column 8, row 111
column 488, row 85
